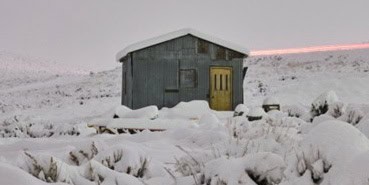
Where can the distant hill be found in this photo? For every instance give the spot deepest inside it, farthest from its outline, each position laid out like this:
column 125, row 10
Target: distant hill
column 18, row 69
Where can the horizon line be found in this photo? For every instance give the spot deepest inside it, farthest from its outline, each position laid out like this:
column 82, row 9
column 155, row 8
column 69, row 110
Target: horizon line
column 310, row 49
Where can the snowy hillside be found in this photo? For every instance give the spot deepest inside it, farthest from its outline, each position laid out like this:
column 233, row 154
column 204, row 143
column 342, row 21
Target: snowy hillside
column 40, row 91
column 18, row 70
column 298, row 78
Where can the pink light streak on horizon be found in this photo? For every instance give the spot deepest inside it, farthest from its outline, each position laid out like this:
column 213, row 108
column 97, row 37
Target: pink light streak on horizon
column 309, row 49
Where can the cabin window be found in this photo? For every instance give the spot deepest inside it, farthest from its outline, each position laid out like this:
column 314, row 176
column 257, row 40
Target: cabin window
column 221, row 53
column 202, row 46
column 188, row 78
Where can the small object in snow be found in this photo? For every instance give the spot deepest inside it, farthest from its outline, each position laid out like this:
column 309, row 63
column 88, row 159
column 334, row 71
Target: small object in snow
column 256, row 113
column 241, row 110
column 271, row 103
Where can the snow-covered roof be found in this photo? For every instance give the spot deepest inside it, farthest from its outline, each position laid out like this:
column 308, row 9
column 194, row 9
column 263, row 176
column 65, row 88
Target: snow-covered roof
column 176, row 34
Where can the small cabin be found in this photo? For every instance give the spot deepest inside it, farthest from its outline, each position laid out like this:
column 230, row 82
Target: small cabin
column 180, row 66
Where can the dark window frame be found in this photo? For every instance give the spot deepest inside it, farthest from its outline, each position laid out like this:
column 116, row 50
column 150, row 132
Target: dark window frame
column 203, row 46
column 221, row 53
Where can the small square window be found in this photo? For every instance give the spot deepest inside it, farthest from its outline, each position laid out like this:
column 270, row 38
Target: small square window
column 221, row 53
column 202, row 46
column 188, row 78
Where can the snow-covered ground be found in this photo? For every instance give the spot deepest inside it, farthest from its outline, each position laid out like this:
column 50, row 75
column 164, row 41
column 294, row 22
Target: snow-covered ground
column 299, row 78
column 319, row 137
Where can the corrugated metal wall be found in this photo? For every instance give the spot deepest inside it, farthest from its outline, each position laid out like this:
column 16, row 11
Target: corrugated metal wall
column 155, row 74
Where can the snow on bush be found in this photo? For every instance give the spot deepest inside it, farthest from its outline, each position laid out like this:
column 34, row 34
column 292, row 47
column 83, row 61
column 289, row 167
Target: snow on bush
column 46, row 168
column 241, row 110
column 11, row 175
column 100, row 174
column 297, row 111
column 125, row 159
column 109, row 167
column 23, row 127
column 259, row 168
column 85, row 153
column 256, row 113
column 322, row 103
column 352, row 115
column 336, row 109
column 327, row 147
column 275, row 134
column 283, row 131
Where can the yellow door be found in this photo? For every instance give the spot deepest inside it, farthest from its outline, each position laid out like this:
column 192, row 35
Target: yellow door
column 221, row 88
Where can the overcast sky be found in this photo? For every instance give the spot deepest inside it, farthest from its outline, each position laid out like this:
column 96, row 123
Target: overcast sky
column 90, row 32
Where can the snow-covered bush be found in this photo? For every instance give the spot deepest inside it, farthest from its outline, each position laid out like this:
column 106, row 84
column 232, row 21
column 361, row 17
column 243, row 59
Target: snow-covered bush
column 193, row 162
column 37, row 130
column 295, row 111
column 256, row 113
column 14, row 130
column 352, row 115
column 321, row 104
column 259, row 168
column 336, row 109
column 121, row 158
column 100, row 174
column 276, row 134
column 241, row 110
column 281, row 130
column 327, row 147
column 11, row 175
column 46, row 168
column 51, row 169
column 84, row 154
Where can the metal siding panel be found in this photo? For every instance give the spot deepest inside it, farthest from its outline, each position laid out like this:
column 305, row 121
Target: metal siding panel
column 171, row 94
column 139, row 87
column 154, row 83
column 123, row 96
column 129, row 82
